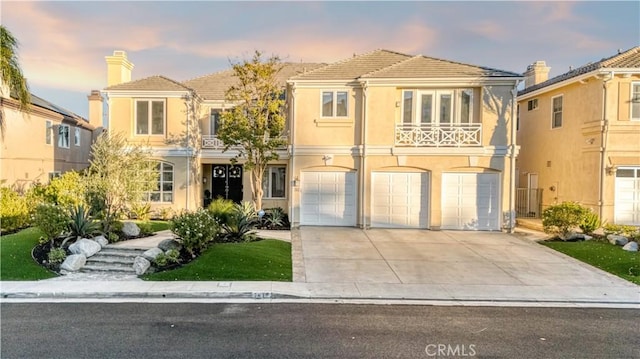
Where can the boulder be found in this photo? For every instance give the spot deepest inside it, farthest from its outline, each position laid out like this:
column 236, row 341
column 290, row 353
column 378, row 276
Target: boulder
column 169, row 244
column 617, row 240
column 130, row 229
column 140, row 265
column 587, row 237
column 573, row 236
column 101, row 240
column 631, row 247
column 73, row 263
column 152, row 253
column 84, row 246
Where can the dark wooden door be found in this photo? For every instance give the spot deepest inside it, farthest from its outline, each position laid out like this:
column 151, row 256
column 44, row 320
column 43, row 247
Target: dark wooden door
column 227, row 182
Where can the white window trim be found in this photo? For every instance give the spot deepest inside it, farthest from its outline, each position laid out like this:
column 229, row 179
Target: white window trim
column 161, row 182
column 77, row 134
column 631, row 118
column 335, row 103
column 518, row 109
column 553, row 112
column 135, row 116
column 53, row 175
column 533, row 101
column 456, row 106
column 48, row 135
column 60, row 145
column 267, row 176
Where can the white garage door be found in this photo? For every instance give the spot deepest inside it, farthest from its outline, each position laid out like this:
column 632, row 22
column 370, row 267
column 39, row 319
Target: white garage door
column 471, row 201
column 328, row 199
column 399, row 200
column 627, row 200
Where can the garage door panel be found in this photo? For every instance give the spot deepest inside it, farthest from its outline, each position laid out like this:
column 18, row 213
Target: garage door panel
column 470, row 201
column 399, row 200
column 328, row 198
column 627, row 196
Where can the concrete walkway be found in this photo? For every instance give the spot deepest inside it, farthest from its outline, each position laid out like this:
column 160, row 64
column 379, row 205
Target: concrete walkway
column 383, row 266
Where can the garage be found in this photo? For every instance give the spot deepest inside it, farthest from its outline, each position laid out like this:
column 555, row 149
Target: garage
column 399, row 199
column 471, row 201
column 627, row 197
column 328, row 198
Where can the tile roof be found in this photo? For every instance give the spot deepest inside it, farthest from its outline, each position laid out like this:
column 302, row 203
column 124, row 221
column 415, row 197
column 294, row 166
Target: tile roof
column 626, row 59
column 355, row 67
column 429, row 67
column 214, row 86
column 152, row 83
column 67, row 115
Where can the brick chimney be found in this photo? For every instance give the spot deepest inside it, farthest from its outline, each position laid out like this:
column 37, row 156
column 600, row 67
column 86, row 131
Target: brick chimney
column 536, row 73
column 95, row 109
column 118, row 68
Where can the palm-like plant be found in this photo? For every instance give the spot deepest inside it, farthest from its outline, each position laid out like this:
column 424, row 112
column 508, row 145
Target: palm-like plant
column 81, row 225
column 11, row 72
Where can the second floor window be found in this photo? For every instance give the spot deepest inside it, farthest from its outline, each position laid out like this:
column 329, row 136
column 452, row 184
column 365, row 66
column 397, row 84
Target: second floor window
column 150, row 117
column 63, row 136
column 437, row 107
column 335, row 103
column 635, row 101
column 556, row 116
column 76, row 137
column 532, row 104
column 48, row 135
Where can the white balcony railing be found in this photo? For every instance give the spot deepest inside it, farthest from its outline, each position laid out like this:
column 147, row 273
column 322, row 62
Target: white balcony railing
column 460, row 135
column 213, row 142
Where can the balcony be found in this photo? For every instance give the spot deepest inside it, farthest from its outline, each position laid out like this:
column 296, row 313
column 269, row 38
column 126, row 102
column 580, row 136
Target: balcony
column 459, row 135
column 212, row 142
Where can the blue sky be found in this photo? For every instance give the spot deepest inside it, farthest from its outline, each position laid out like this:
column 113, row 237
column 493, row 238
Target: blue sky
column 63, row 44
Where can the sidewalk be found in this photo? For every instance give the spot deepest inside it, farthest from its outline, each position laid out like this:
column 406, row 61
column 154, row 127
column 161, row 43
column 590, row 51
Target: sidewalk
column 612, row 293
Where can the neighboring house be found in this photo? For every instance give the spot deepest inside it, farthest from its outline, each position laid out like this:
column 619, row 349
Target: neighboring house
column 44, row 143
column 579, row 134
column 382, row 139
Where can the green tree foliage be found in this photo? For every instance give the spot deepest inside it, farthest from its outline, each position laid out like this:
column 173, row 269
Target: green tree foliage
column 68, row 190
column 14, row 212
column 11, row 72
column 51, row 220
column 256, row 123
column 118, row 176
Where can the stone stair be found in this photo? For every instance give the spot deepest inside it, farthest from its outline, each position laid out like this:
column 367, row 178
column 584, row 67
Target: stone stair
column 113, row 259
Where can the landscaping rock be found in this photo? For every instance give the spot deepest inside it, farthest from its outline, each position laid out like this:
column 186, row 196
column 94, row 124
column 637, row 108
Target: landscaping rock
column 130, row 229
column 101, row 241
column 631, row 247
column 84, row 246
column 73, row 263
column 169, row 244
column 617, row 240
column 140, row 265
column 152, row 253
column 587, row 237
column 573, row 236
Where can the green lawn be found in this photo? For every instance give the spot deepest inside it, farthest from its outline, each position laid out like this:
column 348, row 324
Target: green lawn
column 15, row 257
column 268, row 260
column 157, row 226
column 603, row 255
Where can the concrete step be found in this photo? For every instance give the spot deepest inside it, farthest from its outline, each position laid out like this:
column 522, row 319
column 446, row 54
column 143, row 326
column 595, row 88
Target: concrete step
column 104, row 268
column 530, row 223
column 121, row 252
column 111, row 259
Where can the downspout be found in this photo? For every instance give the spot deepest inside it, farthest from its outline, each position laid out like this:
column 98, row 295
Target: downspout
column 292, row 132
column 512, row 169
column 604, row 137
column 363, row 154
column 187, row 154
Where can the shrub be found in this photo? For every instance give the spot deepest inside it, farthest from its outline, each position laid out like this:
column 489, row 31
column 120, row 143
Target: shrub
column 81, row 225
column 195, row 230
column 620, row 229
column 221, row 209
column 145, row 228
column 170, row 257
column 14, row 213
column 57, row 256
column 562, row 218
column 141, row 211
column 241, row 224
column 275, row 218
column 164, row 213
column 68, row 190
column 35, row 196
column 51, row 221
column 590, row 222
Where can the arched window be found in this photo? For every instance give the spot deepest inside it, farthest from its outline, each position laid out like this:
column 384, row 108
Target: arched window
column 163, row 192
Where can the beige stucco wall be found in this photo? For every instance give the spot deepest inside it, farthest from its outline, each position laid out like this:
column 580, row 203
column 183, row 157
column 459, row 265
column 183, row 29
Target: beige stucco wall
column 568, row 158
column 26, row 158
column 342, row 142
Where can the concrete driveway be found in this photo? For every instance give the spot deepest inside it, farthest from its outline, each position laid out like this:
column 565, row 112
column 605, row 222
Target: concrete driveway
column 480, row 265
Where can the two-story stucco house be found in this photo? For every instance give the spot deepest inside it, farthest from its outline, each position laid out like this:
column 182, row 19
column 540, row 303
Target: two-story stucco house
column 381, row 139
column 44, row 143
column 579, row 134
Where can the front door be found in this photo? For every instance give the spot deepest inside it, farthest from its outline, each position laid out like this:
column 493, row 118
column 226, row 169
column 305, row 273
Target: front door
column 227, row 182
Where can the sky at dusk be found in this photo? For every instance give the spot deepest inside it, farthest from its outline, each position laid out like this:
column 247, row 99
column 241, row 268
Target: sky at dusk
column 63, row 44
